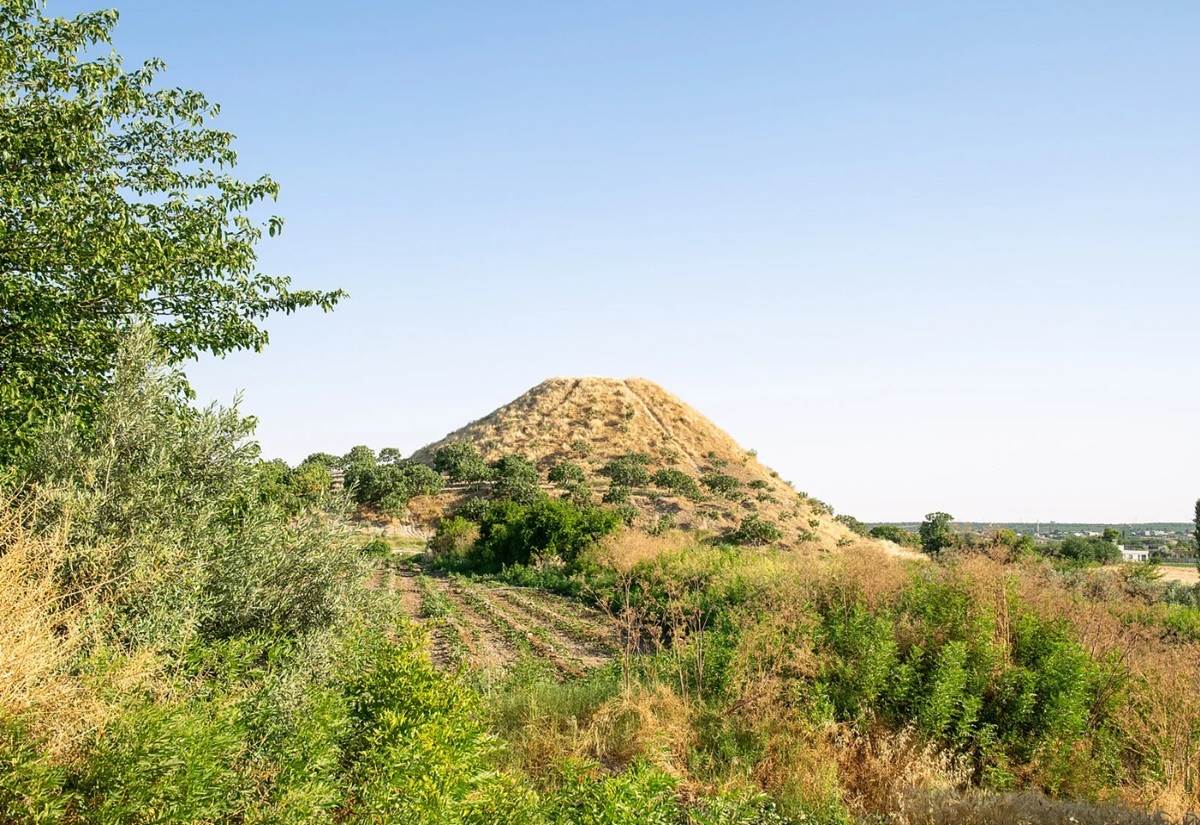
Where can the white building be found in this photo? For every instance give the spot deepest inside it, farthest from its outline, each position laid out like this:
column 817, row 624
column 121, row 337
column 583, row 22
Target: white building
column 1130, row 554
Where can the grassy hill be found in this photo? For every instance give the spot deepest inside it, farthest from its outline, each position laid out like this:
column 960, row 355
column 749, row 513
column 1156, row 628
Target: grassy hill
column 592, row 422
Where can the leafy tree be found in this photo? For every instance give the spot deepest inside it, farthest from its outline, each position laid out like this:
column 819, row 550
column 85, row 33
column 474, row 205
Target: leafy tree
column 629, row 470
column 390, row 455
column 677, row 481
column 1197, row 523
column 565, row 472
column 721, row 484
column 899, row 535
column 755, row 530
column 936, row 533
column 1088, row 549
column 1112, row 535
column 118, row 208
column 326, row 460
column 460, row 461
column 512, row 533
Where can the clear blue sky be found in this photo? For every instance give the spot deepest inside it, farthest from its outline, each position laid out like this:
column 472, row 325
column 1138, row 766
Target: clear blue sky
column 919, row 255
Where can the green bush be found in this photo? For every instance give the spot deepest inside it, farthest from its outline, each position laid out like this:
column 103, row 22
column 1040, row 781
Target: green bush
column 895, row 534
column 513, row 533
column 460, row 462
column 721, row 484
column 755, row 530
column 169, row 532
column 453, row 540
column 629, row 470
column 566, row 472
column 677, row 481
column 377, row 548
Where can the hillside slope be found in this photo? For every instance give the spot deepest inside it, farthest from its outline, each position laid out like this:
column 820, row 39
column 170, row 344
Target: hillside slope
column 592, row 421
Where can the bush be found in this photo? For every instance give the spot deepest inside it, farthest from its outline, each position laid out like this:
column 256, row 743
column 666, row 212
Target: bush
column 754, row 531
column 377, row 548
column 1087, row 550
column 854, row 524
column 512, row 533
column 460, row 462
column 721, row 484
column 616, row 494
column 454, row 539
column 169, row 533
column 899, row 535
column 628, row 470
column 677, row 481
column 566, row 472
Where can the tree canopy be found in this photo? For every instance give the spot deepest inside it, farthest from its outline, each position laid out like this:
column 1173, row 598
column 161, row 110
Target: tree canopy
column 119, row 208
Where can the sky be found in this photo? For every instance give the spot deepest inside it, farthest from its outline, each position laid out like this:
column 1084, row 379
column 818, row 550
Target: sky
column 920, row 256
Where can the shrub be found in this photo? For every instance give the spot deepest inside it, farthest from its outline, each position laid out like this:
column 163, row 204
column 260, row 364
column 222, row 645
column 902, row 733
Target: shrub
column 677, row 481
column 565, row 472
column 460, row 462
column 511, row 533
column 895, row 534
column 581, row 447
column 377, row 548
column 168, row 532
column 628, row 470
column 453, row 540
column 854, row 524
column 721, row 484
column 755, row 530
column 616, row 494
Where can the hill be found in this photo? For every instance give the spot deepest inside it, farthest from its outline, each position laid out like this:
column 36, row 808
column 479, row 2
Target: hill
column 595, row 421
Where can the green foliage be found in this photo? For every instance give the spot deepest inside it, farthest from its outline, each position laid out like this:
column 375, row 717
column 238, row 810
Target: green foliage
column 119, row 208
column 1197, row 523
column 32, row 785
column 461, row 462
column 616, row 494
column 899, row 535
column 721, row 484
column 377, row 548
column 936, row 533
column 640, row 795
column 453, row 540
column 566, row 472
column 389, row 487
column 755, row 530
column 678, row 482
column 629, row 470
column 1087, row 550
column 581, row 447
column 169, row 530
column 516, row 478
column 513, row 533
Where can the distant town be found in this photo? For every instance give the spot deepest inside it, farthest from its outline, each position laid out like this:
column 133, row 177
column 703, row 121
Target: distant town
column 1168, row 542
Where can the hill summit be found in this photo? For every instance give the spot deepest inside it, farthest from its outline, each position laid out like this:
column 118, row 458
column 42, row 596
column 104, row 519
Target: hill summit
column 593, row 422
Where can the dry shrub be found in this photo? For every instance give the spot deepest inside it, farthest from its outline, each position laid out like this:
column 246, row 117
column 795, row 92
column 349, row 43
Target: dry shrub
column 548, row 724
column 626, row 549
column 1026, row 808
column 40, row 631
column 883, row 772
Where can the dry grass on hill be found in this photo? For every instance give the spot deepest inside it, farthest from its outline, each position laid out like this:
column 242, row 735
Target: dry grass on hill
column 594, row 420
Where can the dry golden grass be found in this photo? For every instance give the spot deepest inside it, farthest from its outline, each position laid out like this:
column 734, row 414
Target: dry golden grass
column 611, row 417
column 40, row 632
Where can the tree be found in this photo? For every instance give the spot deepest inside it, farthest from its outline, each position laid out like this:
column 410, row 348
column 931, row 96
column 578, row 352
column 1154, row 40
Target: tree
column 1197, row 523
column 117, row 208
column 936, row 533
column 628, row 470
column 566, row 473
column 899, row 535
column 460, row 461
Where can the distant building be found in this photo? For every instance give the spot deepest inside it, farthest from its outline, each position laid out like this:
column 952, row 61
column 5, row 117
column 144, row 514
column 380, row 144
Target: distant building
column 1133, row 553
column 337, row 480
